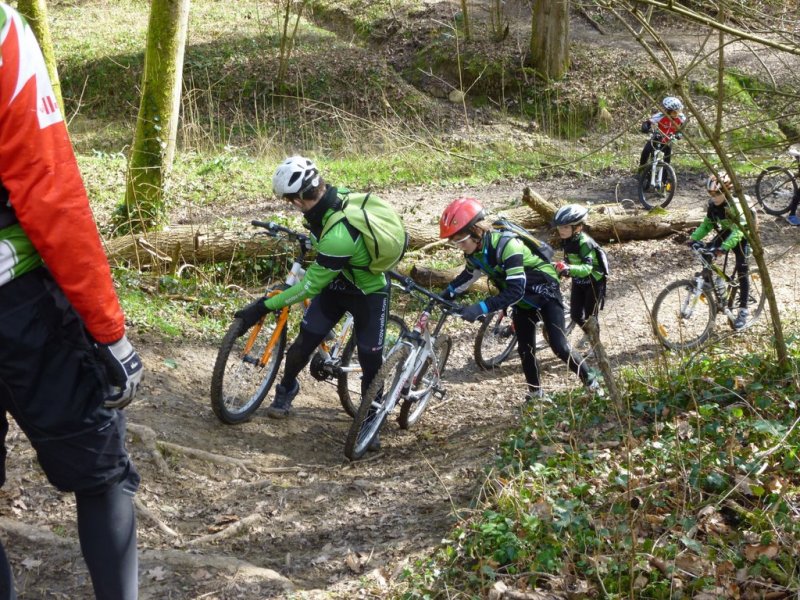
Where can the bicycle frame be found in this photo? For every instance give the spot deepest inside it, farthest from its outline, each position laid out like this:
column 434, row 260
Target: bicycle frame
column 656, row 171
column 704, row 284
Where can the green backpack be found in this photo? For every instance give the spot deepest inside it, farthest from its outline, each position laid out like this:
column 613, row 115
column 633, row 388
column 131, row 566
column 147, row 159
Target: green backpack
column 380, row 225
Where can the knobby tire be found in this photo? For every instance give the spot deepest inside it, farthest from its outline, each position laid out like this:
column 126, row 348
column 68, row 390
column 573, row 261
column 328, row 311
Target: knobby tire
column 673, row 330
column 238, row 387
column 389, row 382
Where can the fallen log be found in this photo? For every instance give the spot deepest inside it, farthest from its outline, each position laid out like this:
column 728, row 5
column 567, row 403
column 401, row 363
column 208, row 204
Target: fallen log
column 195, row 244
column 435, row 279
column 607, row 224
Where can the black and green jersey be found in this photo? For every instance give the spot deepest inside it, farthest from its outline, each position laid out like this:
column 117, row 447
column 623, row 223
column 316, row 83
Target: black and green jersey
column 341, row 254
column 517, row 272
column 582, row 257
column 727, row 220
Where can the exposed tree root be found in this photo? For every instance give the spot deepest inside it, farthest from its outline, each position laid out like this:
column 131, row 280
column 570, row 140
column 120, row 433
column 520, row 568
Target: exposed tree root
column 230, row 531
column 151, row 516
column 171, row 558
column 149, row 438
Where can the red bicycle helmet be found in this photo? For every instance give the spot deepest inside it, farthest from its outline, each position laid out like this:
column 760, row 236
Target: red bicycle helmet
column 460, row 214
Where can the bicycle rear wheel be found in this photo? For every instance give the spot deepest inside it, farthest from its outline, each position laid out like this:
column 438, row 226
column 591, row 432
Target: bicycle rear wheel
column 660, row 194
column 426, row 383
column 348, row 382
column 495, row 340
column 382, row 395
column 239, row 383
column 682, row 318
column 775, row 188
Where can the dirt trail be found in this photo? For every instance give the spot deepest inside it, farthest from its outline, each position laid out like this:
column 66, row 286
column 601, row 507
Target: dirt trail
column 312, row 518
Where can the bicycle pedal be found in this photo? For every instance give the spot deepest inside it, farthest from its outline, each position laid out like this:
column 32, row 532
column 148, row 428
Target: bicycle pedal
column 440, row 393
column 250, row 360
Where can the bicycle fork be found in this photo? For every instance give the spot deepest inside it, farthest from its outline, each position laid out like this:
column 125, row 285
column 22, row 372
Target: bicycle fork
column 689, row 304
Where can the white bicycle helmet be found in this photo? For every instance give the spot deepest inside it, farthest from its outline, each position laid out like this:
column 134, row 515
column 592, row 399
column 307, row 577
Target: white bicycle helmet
column 295, row 176
column 672, row 103
column 571, row 214
column 716, row 182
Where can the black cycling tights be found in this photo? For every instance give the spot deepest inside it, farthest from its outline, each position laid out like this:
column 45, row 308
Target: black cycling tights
column 107, row 532
column 552, row 314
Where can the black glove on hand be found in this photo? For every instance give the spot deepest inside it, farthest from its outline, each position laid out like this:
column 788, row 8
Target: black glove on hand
column 124, row 372
column 251, row 313
column 472, row 312
column 695, row 245
column 449, row 293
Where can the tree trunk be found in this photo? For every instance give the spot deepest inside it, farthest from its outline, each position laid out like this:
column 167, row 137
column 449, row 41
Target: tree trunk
column 157, row 123
column 438, row 279
column 35, row 12
column 550, row 38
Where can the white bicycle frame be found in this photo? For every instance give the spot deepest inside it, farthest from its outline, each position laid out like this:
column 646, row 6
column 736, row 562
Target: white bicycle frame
column 657, row 169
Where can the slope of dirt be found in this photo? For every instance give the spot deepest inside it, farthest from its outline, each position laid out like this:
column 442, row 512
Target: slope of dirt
column 308, row 519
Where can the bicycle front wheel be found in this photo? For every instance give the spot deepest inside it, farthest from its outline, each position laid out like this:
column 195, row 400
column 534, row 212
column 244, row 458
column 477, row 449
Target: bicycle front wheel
column 381, row 397
column 348, row 382
column 683, row 318
column 660, row 193
column 239, row 382
column 426, row 383
column 775, row 188
column 495, row 340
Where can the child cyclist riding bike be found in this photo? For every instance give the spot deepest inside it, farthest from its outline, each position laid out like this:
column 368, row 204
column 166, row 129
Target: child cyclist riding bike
column 724, row 217
column 584, row 261
column 664, row 125
column 526, row 281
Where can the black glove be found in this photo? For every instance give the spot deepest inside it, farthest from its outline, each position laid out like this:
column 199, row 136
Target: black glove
column 123, row 369
column 646, row 126
column 449, row 293
column 252, row 313
column 695, row 245
column 472, row 312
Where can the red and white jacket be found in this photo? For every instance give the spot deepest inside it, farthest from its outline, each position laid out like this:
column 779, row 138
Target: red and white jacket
column 45, row 190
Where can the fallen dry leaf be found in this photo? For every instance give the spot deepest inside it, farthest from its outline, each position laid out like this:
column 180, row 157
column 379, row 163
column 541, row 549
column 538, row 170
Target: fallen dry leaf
column 756, row 551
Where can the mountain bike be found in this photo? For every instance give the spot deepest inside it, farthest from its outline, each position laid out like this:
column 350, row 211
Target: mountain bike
column 776, row 186
column 684, row 313
column 657, row 180
column 496, row 338
column 411, row 373
column 246, row 365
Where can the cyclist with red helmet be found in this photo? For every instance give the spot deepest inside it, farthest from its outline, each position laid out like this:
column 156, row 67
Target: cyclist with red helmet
column 526, row 281
column 66, row 365
column 663, row 125
column 727, row 221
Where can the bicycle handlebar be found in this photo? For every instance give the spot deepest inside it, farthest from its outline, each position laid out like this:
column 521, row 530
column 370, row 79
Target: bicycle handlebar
column 409, row 285
column 274, row 229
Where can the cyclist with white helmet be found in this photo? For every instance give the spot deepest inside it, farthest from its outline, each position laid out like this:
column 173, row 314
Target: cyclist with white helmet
column 526, row 281
column 584, row 261
column 727, row 221
column 338, row 281
column 663, row 125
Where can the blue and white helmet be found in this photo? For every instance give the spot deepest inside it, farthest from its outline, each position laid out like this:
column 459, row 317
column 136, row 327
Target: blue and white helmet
column 672, row 103
column 295, row 175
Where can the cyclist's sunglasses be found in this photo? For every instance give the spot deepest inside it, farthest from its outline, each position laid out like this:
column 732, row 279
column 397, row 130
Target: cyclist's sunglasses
column 458, row 242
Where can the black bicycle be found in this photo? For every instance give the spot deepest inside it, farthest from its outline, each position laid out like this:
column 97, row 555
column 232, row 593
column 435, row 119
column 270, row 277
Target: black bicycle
column 685, row 312
column 776, row 186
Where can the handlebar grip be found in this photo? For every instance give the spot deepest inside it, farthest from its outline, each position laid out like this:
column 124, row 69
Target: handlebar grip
column 263, row 224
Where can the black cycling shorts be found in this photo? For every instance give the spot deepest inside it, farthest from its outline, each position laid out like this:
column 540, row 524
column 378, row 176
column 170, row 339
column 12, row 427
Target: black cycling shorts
column 52, row 385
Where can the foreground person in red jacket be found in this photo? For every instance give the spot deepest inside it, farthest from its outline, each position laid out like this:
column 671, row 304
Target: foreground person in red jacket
column 66, row 366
